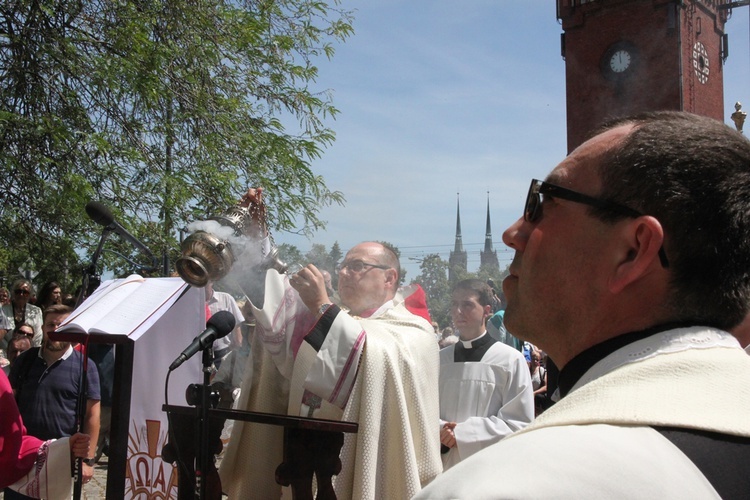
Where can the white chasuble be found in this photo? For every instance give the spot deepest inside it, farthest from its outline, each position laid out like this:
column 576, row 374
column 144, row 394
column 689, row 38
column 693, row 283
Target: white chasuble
column 380, row 372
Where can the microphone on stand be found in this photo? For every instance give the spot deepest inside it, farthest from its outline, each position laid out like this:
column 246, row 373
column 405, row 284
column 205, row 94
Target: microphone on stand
column 99, row 213
column 218, row 326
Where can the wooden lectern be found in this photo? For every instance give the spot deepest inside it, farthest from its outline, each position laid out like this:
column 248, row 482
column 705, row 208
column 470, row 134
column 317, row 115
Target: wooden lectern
column 311, row 446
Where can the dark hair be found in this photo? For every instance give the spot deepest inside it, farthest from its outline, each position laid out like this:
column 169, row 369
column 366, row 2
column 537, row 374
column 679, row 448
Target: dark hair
column 692, row 174
column 482, row 290
column 57, row 309
column 17, row 329
column 391, row 259
column 44, row 295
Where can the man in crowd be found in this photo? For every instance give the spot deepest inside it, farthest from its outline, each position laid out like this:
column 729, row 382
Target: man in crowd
column 31, row 465
column 485, row 386
column 46, row 384
column 631, row 264
column 221, row 301
column 329, row 284
column 370, row 361
column 18, row 345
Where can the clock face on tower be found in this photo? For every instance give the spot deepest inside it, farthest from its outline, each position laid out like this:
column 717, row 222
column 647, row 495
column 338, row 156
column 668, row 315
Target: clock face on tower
column 700, row 62
column 619, row 61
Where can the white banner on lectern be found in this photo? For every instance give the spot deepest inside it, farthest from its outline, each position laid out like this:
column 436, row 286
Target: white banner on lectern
column 148, row 476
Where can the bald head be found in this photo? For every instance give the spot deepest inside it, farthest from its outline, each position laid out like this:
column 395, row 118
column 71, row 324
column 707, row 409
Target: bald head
column 368, row 278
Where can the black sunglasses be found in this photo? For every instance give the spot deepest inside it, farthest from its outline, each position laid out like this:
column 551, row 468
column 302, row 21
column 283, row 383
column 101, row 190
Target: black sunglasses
column 533, row 208
column 20, row 291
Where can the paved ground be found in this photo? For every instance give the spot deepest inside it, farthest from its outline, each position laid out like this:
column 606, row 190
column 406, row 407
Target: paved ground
column 97, row 487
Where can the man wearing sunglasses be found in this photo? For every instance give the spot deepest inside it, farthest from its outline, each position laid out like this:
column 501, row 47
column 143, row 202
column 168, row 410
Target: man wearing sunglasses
column 369, row 361
column 632, row 262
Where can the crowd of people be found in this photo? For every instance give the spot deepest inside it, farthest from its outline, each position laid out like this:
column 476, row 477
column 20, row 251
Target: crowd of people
column 633, row 383
column 21, row 316
column 41, row 383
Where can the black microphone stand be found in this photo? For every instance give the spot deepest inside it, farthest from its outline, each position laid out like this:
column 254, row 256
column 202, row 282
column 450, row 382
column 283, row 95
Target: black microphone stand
column 203, row 450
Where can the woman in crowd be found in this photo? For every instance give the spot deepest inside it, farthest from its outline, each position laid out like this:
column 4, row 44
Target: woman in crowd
column 20, row 311
column 50, row 294
column 538, row 380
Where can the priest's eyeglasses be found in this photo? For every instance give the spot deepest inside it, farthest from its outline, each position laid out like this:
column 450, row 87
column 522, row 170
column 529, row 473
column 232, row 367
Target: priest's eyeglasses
column 357, row 266
column 533, row 209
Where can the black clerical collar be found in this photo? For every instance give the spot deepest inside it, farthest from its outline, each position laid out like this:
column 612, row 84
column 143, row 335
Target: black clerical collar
column 478, row 348
column 580, row 364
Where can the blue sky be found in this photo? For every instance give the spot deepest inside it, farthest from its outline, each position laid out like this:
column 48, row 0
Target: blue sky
column 439, row 97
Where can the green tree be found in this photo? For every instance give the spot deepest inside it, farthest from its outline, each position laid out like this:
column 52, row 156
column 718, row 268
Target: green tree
column 320, row 258
column 493, row 276
column 291, row 255
column 165, row 110
column 434, row 279
column 335, row 255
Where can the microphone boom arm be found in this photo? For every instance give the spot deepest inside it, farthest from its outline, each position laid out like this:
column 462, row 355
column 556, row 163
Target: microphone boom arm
column 89, row 273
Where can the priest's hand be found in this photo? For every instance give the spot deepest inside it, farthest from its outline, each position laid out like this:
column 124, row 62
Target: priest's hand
column 447, row 436
column 253, row 200
column 311, row 287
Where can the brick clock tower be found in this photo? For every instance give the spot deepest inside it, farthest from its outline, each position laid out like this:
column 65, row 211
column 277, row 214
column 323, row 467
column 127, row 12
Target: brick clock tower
column 628, row 56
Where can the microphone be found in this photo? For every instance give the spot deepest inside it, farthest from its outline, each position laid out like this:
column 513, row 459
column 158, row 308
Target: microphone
column 99, row 213
column 218, row 326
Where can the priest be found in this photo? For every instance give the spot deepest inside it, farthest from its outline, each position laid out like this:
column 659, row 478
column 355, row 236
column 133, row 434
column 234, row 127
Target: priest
column 368, row 360
column 630, row 269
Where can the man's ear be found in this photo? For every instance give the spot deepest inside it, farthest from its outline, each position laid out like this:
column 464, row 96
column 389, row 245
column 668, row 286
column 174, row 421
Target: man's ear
column 638, row 252
column 391, row 277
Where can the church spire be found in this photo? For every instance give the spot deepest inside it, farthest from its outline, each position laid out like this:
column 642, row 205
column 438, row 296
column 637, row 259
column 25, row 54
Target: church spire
column 459, row 246
column 458, row 258
column 488, row 230
column 488, row 256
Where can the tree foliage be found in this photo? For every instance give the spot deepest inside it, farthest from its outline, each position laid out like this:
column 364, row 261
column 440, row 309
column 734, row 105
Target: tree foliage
column 165, row 110
column 291, row 255
column 434, row 279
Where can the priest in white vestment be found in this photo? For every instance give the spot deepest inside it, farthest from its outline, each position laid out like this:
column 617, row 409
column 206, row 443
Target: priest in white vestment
column 369, row 361
column 631, row 266
column 485, row 388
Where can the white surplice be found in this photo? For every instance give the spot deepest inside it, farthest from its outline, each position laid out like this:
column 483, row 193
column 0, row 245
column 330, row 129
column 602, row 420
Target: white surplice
column 489, row 399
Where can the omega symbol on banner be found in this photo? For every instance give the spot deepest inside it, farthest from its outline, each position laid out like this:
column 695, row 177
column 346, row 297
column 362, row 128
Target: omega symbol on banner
column 148, row 476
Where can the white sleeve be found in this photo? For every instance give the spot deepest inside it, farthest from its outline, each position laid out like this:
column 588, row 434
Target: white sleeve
column 49, row 477
column 334, row 370
column 516, row 411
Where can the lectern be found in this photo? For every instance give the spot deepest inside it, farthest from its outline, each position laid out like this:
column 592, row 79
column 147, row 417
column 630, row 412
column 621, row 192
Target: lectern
column 149, row 321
